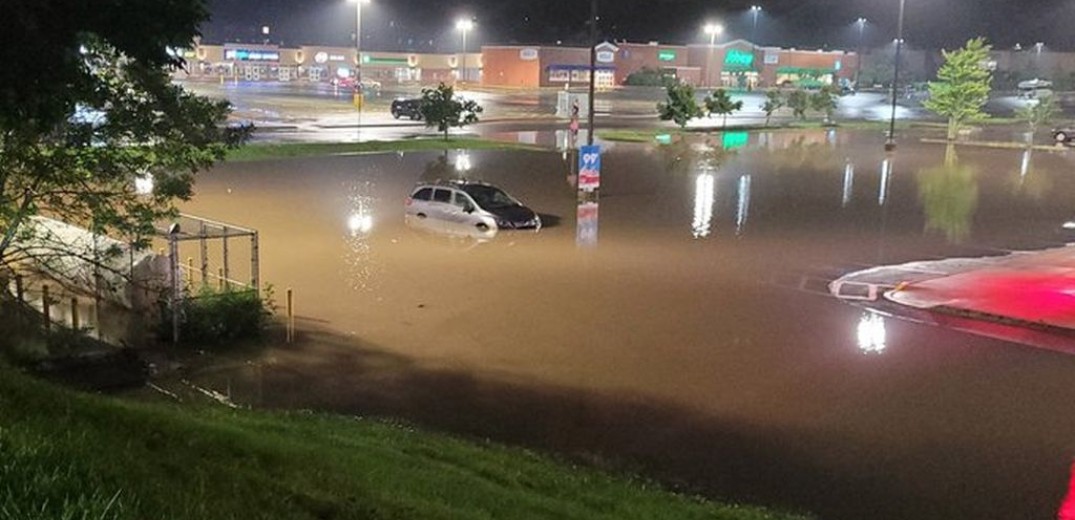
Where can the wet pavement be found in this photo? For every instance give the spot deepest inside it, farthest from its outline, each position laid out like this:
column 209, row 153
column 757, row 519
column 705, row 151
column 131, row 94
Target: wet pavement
column 682, row 328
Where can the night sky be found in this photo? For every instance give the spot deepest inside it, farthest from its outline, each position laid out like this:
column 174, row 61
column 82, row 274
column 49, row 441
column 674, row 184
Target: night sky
column 426, row 25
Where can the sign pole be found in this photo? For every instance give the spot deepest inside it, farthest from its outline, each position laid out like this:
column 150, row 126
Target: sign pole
column 593, row 66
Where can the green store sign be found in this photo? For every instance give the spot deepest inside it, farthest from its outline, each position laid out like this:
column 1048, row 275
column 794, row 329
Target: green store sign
column 666, row 55
column 738, row 59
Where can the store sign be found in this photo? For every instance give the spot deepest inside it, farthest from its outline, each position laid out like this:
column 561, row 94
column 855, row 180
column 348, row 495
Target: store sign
column 666, row 55
column 248, row 55
column 528, row 54
column 606, row 56
column 337, row 57
column 772, row 59
column 321, row 57
column 738, row 58
column 839, row 65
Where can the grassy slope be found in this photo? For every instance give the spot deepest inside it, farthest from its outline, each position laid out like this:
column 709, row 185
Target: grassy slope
column 256, row 152
column 68, row 455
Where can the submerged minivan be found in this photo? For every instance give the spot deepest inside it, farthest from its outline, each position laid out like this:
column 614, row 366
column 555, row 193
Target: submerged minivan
column 467, row 208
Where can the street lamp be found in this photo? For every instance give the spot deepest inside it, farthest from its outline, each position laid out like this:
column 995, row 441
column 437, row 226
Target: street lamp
column 464, row 26
column 755, row 10
column 713, row 30
column 862, row 41
column 890, row 144
column 358, row 100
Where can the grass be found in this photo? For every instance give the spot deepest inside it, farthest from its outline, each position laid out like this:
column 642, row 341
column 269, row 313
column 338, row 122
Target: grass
column 66, row 455
column 258, row 152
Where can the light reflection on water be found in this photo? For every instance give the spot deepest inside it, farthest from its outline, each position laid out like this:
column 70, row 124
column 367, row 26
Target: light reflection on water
column 872, row 337
column 705, row 193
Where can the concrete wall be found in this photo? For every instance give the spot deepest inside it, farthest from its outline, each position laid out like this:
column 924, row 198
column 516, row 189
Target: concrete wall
column 504, row 67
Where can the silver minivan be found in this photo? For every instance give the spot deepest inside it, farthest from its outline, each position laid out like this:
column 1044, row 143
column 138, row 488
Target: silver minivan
column 467, row 208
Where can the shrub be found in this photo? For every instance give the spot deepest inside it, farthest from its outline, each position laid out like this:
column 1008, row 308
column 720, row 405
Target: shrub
column 219, row 317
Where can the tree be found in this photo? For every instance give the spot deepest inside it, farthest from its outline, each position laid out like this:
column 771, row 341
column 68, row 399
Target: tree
column 721, row 103
column 963, row 86
column 1038, row 113
column 442, row 109
column 799, row 103
column 774, row 101
column 76, row 151
column 824, row 101
column 681, row 106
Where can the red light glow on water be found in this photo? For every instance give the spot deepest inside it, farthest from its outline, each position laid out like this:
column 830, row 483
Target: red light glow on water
column 1029, row 296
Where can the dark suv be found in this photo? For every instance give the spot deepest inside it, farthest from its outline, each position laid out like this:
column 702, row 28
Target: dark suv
column 410, row 108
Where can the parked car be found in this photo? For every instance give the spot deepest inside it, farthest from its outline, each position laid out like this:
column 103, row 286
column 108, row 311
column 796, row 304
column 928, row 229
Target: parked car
column 409, row 108
column 467, row 208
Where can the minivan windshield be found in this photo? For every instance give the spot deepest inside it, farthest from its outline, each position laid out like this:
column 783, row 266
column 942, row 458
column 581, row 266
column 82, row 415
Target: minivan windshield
column 489, row 197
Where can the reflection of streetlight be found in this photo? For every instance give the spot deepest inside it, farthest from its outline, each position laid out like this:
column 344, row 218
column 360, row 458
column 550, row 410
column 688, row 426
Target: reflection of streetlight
column 359, row 224
column 849, row 183
column 462, row 162
column 713, row 30
column 886, row 175
column 705, row 192
column 872, row 337
column 464, row 26
column 743, row 209
column 891, row 143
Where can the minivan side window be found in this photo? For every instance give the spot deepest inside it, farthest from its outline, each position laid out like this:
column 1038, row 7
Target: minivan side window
column 423, row 194
column 462, row 200
column 444, row 196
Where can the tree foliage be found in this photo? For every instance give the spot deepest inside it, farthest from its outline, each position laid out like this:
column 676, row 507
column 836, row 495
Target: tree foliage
column 799, row 103
column 1038, row 113
column 441, row 109
column 721, row 103
column 681, row 105
column 774, row 101
column 963, row 86
column 824, row 101
column 77, row 137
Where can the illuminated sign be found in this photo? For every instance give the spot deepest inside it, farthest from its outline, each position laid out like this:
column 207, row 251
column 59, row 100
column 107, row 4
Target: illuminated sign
column 738, row 58
column 366, row 58
column 666, row 55
column 321, row 57
column 336, row 57
column 772, row 59
column 606, row 56
column 839, row 65
column 528, row 54
column 248, row 55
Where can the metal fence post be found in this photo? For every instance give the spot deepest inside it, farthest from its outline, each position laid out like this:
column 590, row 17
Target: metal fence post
column 19, row 292
column 255, row 276
column 205, row 255
column 173, row 260
column 290, row 316
column 227, row 263
column 74, row 314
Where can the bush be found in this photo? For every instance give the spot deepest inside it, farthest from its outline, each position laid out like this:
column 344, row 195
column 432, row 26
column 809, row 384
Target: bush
column 220, row 317
column 647, row 77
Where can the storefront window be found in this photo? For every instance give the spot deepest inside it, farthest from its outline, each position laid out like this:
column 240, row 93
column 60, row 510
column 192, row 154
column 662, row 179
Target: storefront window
column 559, row 75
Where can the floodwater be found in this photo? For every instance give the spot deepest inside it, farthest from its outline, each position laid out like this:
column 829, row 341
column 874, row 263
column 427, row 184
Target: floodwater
column 682, row 327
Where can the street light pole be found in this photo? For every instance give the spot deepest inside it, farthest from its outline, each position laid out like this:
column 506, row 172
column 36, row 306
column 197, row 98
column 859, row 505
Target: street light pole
column 712, row 30
column 755, row 10
column 359, row 99
column 464, row 26
column 593, row 69
column 862, row 40
column 890, row 144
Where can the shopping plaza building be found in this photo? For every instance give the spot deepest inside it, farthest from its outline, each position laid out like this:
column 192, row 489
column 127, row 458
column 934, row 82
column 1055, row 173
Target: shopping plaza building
column 736, row 64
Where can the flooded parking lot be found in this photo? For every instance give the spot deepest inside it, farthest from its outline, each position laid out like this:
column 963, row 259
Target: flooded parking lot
column 681, row 327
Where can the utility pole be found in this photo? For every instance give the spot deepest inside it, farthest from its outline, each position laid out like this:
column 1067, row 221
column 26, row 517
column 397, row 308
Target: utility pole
column 593, row 68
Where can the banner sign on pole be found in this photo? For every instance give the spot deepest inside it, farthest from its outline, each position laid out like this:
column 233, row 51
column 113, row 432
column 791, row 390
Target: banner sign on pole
column 589, row 168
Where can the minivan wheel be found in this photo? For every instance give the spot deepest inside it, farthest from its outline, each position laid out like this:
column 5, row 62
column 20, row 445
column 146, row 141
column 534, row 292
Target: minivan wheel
column 395, row 115
column 1061, row 137
column 483, row 227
